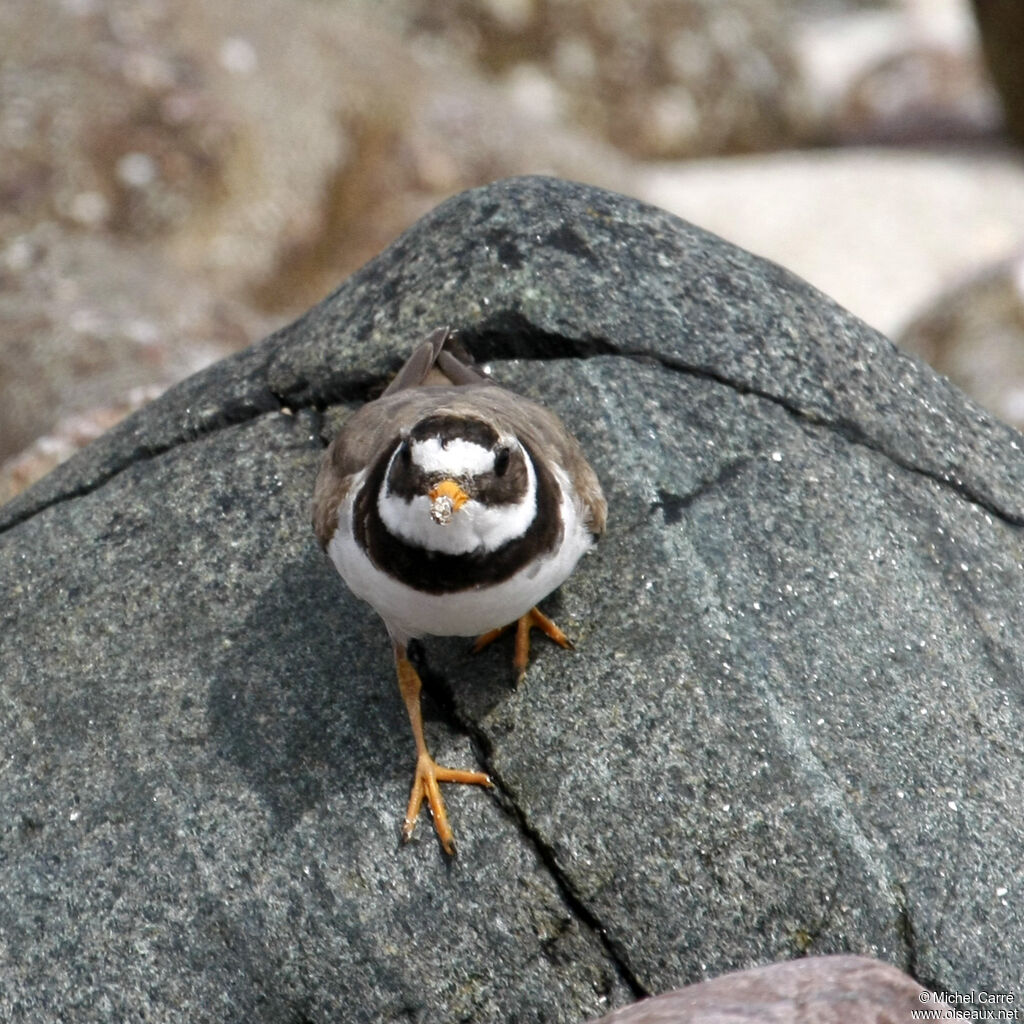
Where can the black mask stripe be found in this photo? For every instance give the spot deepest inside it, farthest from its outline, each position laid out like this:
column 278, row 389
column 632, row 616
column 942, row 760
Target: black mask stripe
column 407, row 481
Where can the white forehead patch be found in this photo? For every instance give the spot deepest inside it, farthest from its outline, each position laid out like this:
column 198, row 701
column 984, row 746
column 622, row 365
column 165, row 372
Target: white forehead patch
column 459, row 458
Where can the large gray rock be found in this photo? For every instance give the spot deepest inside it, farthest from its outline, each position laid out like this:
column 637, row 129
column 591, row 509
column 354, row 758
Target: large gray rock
column 794, row 722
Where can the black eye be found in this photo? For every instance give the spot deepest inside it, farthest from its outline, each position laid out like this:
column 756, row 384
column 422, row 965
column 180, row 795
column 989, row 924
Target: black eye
column 501, row 460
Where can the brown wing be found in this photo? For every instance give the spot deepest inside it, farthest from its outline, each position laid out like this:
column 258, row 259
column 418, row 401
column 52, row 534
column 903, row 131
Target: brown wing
column 364, row 436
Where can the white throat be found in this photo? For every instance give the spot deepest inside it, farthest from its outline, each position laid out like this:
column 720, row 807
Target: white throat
column 474, row 527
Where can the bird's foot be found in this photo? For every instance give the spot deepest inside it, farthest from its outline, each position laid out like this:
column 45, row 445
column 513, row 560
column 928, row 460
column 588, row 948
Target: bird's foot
column 533, row 619
column 426, row 787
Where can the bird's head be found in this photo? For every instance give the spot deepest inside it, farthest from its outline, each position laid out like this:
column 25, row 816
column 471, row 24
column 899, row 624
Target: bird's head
column 456, row 483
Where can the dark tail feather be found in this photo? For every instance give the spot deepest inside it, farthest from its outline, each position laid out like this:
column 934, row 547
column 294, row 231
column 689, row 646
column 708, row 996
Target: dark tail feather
column 441, row 352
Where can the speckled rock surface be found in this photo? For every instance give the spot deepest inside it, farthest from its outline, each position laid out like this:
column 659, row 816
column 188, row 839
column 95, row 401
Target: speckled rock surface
column 793, row 723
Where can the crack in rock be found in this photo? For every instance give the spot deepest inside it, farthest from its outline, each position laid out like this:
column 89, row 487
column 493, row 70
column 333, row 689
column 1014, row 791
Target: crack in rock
column 508, row 337
column 907, row 932
column 440, row 691
column 848, row 429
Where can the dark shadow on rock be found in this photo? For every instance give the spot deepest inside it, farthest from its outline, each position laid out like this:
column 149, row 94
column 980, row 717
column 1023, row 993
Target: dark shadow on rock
column 470, row 686
column 306, row 704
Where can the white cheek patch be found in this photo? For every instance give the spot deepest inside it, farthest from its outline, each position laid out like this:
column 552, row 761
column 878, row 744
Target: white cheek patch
column 459, row 458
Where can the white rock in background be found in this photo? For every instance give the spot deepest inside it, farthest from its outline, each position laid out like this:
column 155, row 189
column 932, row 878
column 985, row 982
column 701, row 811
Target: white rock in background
column 882, row 231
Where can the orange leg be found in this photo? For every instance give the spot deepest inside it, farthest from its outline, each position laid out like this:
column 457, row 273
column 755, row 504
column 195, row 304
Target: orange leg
column 428, row 773
column 532, row 619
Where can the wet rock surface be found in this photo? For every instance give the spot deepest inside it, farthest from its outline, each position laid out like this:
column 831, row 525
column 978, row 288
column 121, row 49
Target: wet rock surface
column 792, row 723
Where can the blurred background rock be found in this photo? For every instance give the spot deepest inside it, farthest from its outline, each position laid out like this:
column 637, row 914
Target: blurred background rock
column 177, row 178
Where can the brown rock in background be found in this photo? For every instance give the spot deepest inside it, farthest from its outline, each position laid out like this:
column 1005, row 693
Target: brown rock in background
column 816, row 990
column 85, row 320
column 919, row 95
column 178, row 179
column 974, row 334
column 657, row 78
column 1001, row 24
